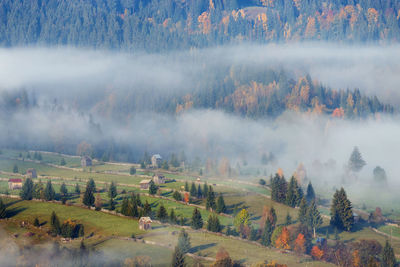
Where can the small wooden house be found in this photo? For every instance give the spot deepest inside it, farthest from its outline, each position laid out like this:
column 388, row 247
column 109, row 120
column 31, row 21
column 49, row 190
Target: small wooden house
column 31, row 173
column 156, row 160
column 145, row 184
column 14, row 184
column 145, row 223
column 159, row 179
column 86, row 161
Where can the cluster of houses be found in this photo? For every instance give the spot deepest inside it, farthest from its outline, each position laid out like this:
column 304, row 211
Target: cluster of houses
column 16, row 183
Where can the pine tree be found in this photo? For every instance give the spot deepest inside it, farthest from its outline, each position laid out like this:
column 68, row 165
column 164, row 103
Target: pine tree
column 288, row 219
column 98, row 203
column 152, row 188
column 88, row 197
column 27, row 189
column 15, row 169
column 221, row 208
column 193, row 191
column 267, row 233
column 162, row 213
column 112, row 204
column 210, row 203
column 55, row 224
column 213, row 223
column 184, row 242
column 314, row 218
column 172, row 216
column 303, row 211
column 132, row 170
column 49, row 193
column 197, row 221
column 147, row 209
column 134, row 210
column 77, row 189
column 310, row 193
column 341, row 211
column 3, row 209
column 112, row 191
column 178, row 258
column 205, row 190
column 36, row 222
column 186, row 186
column 63, row 189
column 199, row 192
column 388, row 258
column 125, row 207
column 356, row 162
column 292, row 193
column 177, row 196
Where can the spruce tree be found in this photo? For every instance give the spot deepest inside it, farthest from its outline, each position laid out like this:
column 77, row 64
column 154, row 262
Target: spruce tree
column 3, row 209
column 88, row 197
column 197, row 221
column 310, row 193
column 193, row 190
column 112, row 191
column 36, row 222
column 186, row 186
column 112, row 204
column 314, row 218
column 341, row 211
column 63, row 189
column 292, row 193
column 199, row 192
column 210, row 203
column 288, row 219
column 221, row 208
column 49, row 193
column 178, row 258
column 356, row 162
column 125, row 207
column 162, row 213
column 303, row 211
column 267, row 233
column 213, row 223
column 205, row 190
column 152, row 188
column 55, row 224
column 27, row 189
column 62, row 162
column 172, row 216
column 77, row 189
column 177, row 196
column 147, row 209
column 184, row 241
column 388, row 258
column 134, row 210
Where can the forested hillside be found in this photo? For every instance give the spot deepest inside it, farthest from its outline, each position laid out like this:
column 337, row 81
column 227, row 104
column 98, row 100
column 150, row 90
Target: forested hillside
column 157, row 25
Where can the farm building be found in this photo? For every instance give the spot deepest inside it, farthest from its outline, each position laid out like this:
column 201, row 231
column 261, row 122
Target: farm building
column 159, row 179
column 156, row 160
column 14, row 184
column 145, row 223
column 31, row 173
column 86, row 161
column 145, row 184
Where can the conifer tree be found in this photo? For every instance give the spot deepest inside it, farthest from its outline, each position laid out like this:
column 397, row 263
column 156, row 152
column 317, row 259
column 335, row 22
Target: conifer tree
column 3, row 209
column 288, row 219
column 310, row 193
column 147, row 209
column 88, row 197
column 36, row 222
column 221, row 208
column 112, row 204
column 186, row 186
column 184, row 241
column 267, row 233
column 27, row 189
column 292, row 193
column 112, row 191
column 213, row 223
column 162, row 213
column 193, row 190
column 314, row 218
column 199, row 192
column 152, row 188
column 341, row 211
column 172, row 216
column 303, row 211
column 177, row 196
column 125, row 207
column 210, row 203
column 77, row 189
column 55, row 224
column 178, row 258
column 134, row 210
column 205, row 190
column 49, row 193
column 356, row 162
column 388, row 257
column 98, row 203
column 197, row 221
column 63, row 190
column 62, row 162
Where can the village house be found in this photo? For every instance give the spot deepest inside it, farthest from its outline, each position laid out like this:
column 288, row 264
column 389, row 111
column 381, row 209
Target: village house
column 86, row 161
column 156, row 160
column 145, row 184
column 14, row 184
column 31, row 173
column 159, row 179
column 145, row 223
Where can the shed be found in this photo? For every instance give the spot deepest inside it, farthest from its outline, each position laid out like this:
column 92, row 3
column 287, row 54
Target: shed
column 31, row 173
column 159, row 179
column 145, row 184
column 86, row 161
column 145, row 223
column 14, row 184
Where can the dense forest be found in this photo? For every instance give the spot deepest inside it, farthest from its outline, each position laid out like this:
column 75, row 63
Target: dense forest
column 159, row 25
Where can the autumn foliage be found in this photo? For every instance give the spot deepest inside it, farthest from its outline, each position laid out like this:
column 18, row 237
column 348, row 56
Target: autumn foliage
column 299, row 245
column 283, row 240
column 317, row 253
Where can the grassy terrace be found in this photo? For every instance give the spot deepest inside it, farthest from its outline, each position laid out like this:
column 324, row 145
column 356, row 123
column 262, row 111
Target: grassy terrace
column 103, row 225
